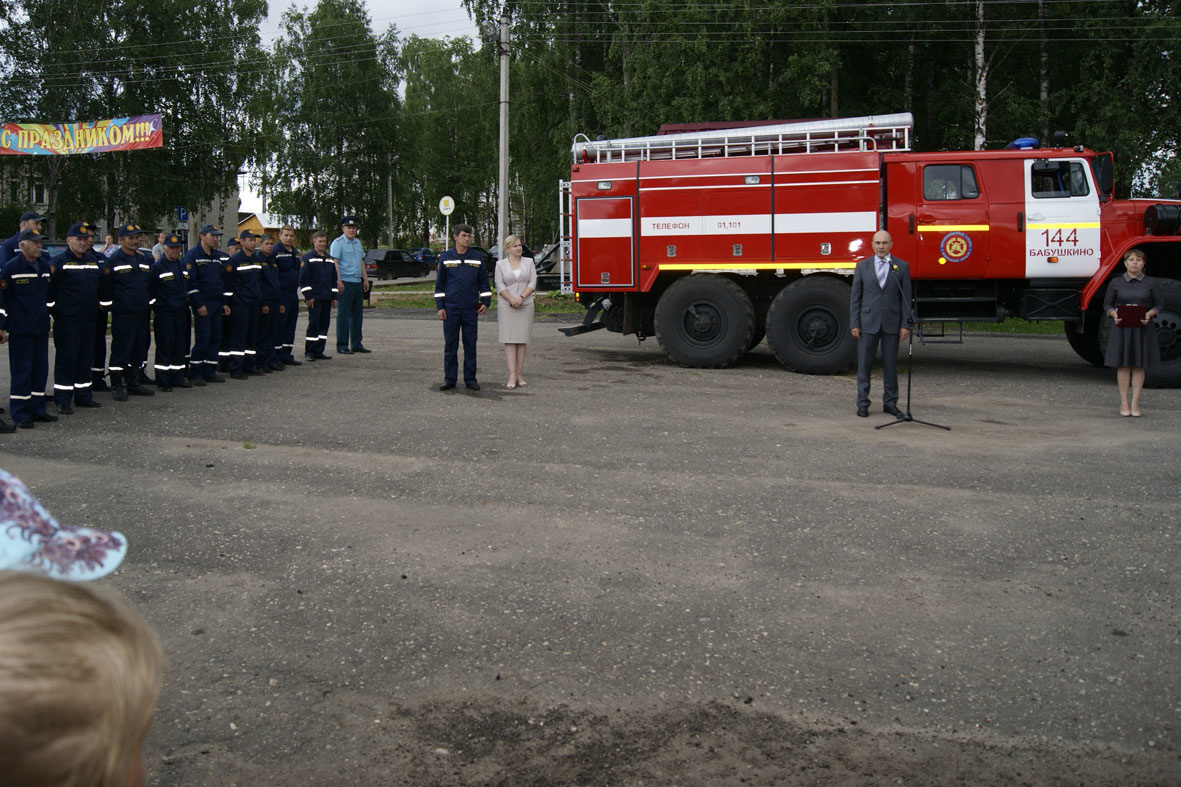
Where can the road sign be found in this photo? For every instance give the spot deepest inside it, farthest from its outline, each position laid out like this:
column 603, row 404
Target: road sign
column 182, row 214
column 446, row 206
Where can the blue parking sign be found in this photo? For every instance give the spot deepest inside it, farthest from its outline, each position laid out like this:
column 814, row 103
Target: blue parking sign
column 182, row 214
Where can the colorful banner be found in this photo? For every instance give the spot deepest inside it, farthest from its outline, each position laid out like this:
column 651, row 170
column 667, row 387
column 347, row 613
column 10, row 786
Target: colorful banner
column 94, row 136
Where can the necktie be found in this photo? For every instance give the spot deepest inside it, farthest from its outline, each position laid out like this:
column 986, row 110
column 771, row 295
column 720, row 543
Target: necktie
column 883, row 271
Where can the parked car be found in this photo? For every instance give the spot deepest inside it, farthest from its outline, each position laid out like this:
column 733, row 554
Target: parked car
column 489, row 260
column 394, row 264
column 425, row 255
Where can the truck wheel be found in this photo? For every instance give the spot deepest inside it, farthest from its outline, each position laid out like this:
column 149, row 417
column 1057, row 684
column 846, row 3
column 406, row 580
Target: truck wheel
column 1168, row 336
column 808, row 326
column 1086, row 343
column 704, row 321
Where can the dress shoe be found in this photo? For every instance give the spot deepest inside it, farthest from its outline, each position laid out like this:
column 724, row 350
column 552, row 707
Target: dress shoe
column 239, row 376
column 277, row 367
column 164, row 388
column 292, row 362
column 863, row 412
column 26, row 424
column 6, row 428
column 446, row 386
column 309, row 357
column 89, row 404
column 182, row 384
column 197, row 382
column 343, row 351
column 255, row 372
column 65, row 409
column 892, row 410
column 140, row 390
column 217, row 378
column 44, row 418
column 323, row 357
column 362, row 349
column 473, row 386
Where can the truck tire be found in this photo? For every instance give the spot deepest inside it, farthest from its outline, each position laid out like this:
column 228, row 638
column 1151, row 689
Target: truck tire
column 704, row 321
column 808, row 326
column 1168, row 336
column 1086, row 343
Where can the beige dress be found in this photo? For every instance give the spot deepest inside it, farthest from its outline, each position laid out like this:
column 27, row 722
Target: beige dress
column 515, row 324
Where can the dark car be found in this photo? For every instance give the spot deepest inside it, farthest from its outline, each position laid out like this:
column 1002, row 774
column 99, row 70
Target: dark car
column 489, row 260
column 425, row 255
column 394, row 264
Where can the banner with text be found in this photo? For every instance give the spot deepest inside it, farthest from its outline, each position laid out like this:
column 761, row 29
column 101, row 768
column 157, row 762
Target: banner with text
column 94, row 136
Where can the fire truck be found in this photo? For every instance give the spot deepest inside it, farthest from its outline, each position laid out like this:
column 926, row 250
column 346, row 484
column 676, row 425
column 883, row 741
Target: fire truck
column 711, row 240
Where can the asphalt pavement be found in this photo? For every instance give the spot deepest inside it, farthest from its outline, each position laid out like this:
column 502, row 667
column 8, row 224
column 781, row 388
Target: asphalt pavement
column 630, row 572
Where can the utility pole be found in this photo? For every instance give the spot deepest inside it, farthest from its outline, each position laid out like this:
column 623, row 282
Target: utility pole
column 502, row 208
column 389, row 202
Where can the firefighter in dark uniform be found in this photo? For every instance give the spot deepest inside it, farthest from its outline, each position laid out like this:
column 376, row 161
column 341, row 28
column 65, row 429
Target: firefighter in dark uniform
column 227, row 321
column 317, row 285
column 462, row 293
column 170, row 289
column 124, row 293
column 29, row 220
column 24, row 313
column 270, row 313
column 144, row 266
column 286, row 260
column 73, row 290
column 205, row 262
column 243, row 271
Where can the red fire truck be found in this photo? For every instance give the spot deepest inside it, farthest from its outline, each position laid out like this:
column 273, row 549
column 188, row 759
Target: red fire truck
column 711, row 240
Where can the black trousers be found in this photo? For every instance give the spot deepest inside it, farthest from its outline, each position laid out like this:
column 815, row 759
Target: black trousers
column 73, row 343
column 867, row 349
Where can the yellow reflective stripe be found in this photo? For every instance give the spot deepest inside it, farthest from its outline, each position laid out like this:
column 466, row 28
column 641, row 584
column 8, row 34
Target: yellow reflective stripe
column 753, row 266
column 1067, row 225
column 954, row 227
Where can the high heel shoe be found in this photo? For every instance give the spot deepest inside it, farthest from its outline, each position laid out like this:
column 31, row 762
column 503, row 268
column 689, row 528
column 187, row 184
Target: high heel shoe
column 510, row 386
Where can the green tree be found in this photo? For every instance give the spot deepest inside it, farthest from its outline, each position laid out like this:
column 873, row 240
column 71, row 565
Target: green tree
column 333, row 127
column 451, row 118
column 96, row 59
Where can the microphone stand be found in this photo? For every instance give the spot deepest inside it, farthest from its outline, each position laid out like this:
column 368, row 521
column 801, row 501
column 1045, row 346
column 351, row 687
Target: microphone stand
column 907, row 417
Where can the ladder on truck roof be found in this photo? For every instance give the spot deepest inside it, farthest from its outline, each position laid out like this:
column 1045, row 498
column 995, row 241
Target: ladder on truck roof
column 867, row 133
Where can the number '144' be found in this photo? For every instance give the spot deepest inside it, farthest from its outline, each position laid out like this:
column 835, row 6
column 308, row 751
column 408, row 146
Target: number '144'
column 1055, row 238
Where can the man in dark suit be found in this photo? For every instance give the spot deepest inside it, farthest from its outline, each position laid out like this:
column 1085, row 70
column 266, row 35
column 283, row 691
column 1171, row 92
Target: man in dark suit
column 879, row 311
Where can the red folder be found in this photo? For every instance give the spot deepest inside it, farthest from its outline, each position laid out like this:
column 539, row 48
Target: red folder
column 1131, row 314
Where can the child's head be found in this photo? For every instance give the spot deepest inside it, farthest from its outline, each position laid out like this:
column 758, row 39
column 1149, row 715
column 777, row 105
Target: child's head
column 80, row 673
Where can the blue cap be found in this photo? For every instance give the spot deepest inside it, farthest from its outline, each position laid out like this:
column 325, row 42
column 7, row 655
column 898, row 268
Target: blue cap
column 30, row 234
column 127, row 230
column 247, row 234
column 80, row 230
column 173, row 240
column 32, row 215
column 208, row 229
column 348, row 221
column 31, row 540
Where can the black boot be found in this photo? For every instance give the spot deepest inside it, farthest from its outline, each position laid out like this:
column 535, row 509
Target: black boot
column 118, row 393
column 100, row 382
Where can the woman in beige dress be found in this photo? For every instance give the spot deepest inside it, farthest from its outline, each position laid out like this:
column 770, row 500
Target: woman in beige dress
column 516, row 279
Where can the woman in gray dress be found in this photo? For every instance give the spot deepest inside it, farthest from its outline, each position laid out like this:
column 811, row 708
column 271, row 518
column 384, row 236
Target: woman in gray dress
column 1132, row 347
column 516, row 279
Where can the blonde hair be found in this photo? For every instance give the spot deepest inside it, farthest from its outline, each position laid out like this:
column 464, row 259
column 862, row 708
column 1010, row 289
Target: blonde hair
column 510, row 241
column 80, row 673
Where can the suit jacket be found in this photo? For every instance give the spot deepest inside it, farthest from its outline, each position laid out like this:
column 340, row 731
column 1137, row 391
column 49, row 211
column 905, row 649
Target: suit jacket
column 516, row 287
column 877, row 309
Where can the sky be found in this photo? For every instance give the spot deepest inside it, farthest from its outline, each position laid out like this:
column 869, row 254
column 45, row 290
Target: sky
column 424, row 18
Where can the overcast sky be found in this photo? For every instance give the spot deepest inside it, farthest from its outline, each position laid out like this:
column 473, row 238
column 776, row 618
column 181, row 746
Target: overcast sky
column 424, row 18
